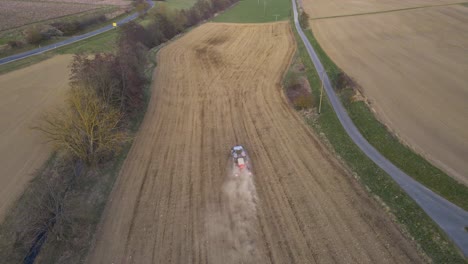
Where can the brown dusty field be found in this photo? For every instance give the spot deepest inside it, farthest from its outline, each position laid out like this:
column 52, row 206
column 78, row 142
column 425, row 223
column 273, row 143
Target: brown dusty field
column 18, row 13
column 176, row 201
column 25, row 95
column 412, row 65
column 330, row 8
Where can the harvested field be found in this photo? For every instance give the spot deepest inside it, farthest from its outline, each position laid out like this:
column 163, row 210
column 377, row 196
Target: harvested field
column 412, row 67
column 18, row 13
column 25, row 95
column 175, row 202
column 91, row 2
column 331, row 8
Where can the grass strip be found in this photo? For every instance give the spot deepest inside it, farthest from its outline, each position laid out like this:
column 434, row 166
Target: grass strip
column 176, row 4
column 411, row 218
column 256, row 11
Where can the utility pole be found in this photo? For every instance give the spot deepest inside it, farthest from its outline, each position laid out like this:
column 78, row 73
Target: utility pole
column 276, row 17
column 321, row 94
column 264, row 7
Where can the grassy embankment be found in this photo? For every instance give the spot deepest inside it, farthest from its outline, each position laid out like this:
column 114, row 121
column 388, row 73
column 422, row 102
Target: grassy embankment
column 407, row 213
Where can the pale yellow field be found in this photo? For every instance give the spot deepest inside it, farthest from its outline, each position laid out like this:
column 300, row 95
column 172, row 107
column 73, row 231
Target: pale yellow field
column 413, row 66
column 330, row 8
column 24, row 96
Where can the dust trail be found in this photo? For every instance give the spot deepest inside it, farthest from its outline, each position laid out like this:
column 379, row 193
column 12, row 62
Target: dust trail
column 232, row 228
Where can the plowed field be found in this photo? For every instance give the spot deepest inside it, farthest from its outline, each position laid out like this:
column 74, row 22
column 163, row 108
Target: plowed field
column 412, row 65
column 176, row 202
column 25, row 95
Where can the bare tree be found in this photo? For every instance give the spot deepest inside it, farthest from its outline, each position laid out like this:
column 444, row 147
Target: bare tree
column 88, row 128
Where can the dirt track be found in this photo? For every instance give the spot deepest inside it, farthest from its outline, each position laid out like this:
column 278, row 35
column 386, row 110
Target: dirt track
column 174, row 203
column 24, row 96
column 412, row 65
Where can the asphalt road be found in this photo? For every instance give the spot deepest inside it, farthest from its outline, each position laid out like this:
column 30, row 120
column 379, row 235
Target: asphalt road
column 451, row 218
column 68, row 41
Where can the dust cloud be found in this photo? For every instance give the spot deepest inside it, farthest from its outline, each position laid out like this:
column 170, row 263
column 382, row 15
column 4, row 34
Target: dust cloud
column 232, row 224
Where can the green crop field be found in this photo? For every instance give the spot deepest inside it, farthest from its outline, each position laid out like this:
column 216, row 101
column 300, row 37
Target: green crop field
column 176, row 4
column 256, row 11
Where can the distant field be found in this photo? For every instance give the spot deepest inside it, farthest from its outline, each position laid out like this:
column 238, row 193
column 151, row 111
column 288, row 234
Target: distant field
column 412, row 66
column 327, row 8
column 92, row 2
column 177, row 4
column 18, row 13
column 256, row 11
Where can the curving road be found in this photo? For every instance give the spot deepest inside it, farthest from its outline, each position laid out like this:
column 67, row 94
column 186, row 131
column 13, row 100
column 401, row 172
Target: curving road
column 68, row 41
column 451, row 218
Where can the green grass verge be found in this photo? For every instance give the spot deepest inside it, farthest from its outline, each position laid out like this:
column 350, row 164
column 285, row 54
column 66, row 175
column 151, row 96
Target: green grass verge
column 256, row 11
column 12, row 66
column 389, row 146
column 105, row 42
column 408, row 214
column 176, row 4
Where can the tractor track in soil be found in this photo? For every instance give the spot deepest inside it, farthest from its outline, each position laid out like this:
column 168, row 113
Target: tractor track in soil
column 215, row 87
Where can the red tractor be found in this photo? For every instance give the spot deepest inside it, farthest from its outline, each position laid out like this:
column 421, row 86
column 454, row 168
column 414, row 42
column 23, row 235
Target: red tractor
column 240, row 159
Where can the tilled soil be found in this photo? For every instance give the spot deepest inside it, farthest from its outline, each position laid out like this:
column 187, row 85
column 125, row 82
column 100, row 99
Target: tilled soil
column 25, row 95
column 176, row 200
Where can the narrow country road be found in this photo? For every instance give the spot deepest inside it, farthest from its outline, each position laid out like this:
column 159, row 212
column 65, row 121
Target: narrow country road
column 451, row 218
column 68, row 41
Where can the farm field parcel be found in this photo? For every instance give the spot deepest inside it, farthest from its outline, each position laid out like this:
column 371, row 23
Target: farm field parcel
column 411, row 65
column 174, row 201
column 25, row 95
column 18, row 13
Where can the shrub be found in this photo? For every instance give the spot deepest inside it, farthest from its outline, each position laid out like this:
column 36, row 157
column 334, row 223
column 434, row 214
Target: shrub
column 304, row 19
column 303, row 101
column 298, row 92
column 33, row 35
column 72, row 27
column 15, row 44
column 99, row 74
